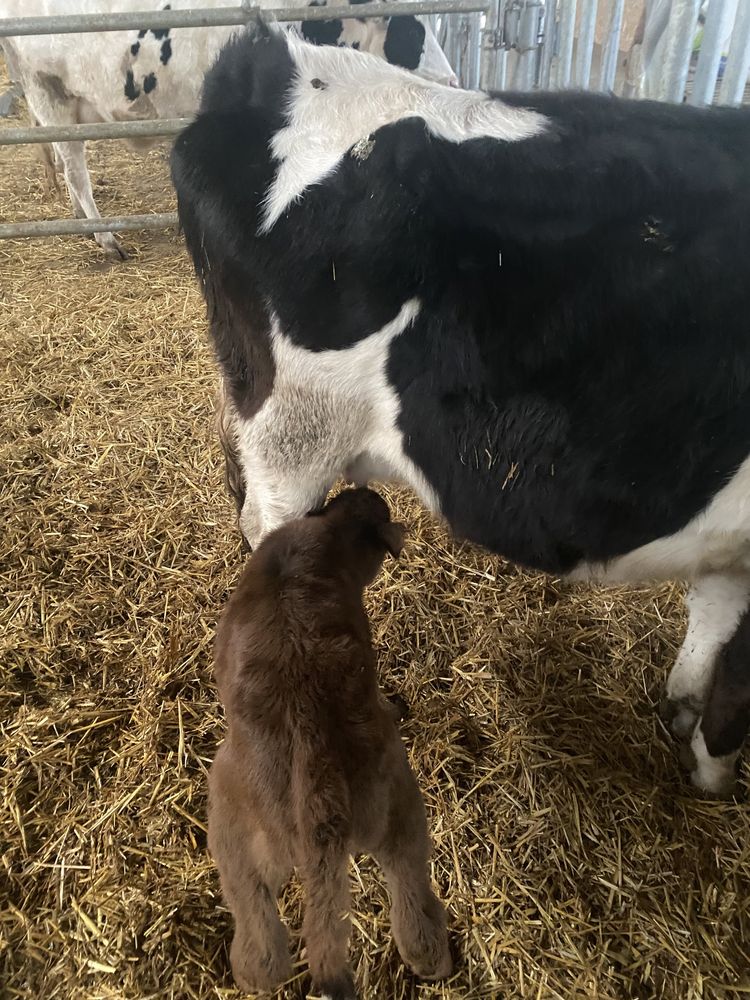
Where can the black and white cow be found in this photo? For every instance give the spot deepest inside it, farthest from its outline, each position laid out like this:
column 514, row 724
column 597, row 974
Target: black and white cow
column 533, row 309
column 158, row 73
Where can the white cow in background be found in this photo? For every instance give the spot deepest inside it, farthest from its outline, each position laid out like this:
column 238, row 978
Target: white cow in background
column 158, row 73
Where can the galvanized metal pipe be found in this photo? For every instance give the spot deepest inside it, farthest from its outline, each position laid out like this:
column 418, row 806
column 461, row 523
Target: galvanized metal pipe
column 611, row 50
column 549, row 40
column 714, row 33
column 101, row 130
column 77, row 227
column 738, row 58
column 474, row 44
column 585, row 46
column 683, row 19
column 528, row 36
column 488, row 55
column 567, row 38
column 221, row 16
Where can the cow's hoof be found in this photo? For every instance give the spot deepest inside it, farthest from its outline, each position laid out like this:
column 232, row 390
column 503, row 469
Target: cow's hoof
column 113, row 250
column 679, row 717
column 725, row 787
column 714, row 776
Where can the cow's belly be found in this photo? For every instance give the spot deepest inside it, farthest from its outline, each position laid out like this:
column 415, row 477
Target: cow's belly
column 335, row 412
column 715, row 541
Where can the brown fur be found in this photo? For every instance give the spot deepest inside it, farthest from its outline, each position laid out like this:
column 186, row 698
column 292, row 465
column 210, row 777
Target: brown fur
column 313, row 768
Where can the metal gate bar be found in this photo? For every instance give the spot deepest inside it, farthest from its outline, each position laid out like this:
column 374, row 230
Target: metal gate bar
column 73, row 227
column 139, row 129
column 221, row 16
column 227, row 16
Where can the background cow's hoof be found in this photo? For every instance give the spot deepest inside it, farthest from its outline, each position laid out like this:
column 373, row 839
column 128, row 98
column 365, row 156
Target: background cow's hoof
column 679, row 717
column 113, row 249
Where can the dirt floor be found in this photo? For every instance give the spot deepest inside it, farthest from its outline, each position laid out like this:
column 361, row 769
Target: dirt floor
column 574, row 858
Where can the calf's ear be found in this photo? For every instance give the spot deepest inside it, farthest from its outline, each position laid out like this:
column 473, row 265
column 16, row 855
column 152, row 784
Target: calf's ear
column 393, row 535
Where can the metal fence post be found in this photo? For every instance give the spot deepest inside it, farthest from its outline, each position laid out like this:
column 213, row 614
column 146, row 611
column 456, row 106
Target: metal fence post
column 738, row 58
column 611, row 49
column 683, row 20
column 549, row 43
column 585, row 46
column 714, row 34
column 567, row 38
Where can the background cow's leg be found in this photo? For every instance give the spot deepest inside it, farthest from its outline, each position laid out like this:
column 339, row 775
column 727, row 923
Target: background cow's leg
column 51, row 103
column 73, row 158
column 715, row 605
column 722, row 730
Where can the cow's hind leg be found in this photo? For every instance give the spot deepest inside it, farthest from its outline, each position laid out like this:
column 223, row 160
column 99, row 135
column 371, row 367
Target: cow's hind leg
column 50, row 103
column 719, row 734
column 715, row 603
column 251, row 877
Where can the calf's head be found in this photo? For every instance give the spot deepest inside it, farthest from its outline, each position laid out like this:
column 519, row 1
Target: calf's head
column 359, row 533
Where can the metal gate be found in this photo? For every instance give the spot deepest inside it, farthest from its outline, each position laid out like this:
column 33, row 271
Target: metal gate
column 679, row 50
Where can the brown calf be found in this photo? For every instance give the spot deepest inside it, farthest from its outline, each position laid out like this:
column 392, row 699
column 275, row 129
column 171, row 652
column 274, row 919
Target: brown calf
column 313, row 768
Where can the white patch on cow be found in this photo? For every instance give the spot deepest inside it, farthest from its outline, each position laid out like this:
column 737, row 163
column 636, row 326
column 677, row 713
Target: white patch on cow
column 716, row 541
column 327, row 409
column 715, row 775
column 362, row 94
column 715, row 605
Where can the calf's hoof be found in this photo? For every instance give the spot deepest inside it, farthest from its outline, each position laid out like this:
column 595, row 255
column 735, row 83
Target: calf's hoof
column 253, row 971
column 430, row 970
column 339, row 988
column 422, row 940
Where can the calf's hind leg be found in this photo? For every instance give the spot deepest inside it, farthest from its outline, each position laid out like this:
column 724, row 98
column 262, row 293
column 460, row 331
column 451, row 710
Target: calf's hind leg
column 418, row 918
column 250, row 880
column 721, row 731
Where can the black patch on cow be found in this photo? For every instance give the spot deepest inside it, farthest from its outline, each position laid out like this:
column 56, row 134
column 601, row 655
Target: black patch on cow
column 166, row 52
column 143, row 32
column 135, row 48
column 160, row 33
column 726, row 717
column 322, row 32
column 404, row 42
column 254, row 71
column 318, row 84
column 149, row 83
column 586, row 397
column 132, row 90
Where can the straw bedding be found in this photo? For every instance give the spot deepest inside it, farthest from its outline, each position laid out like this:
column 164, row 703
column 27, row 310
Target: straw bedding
column 574, row 858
